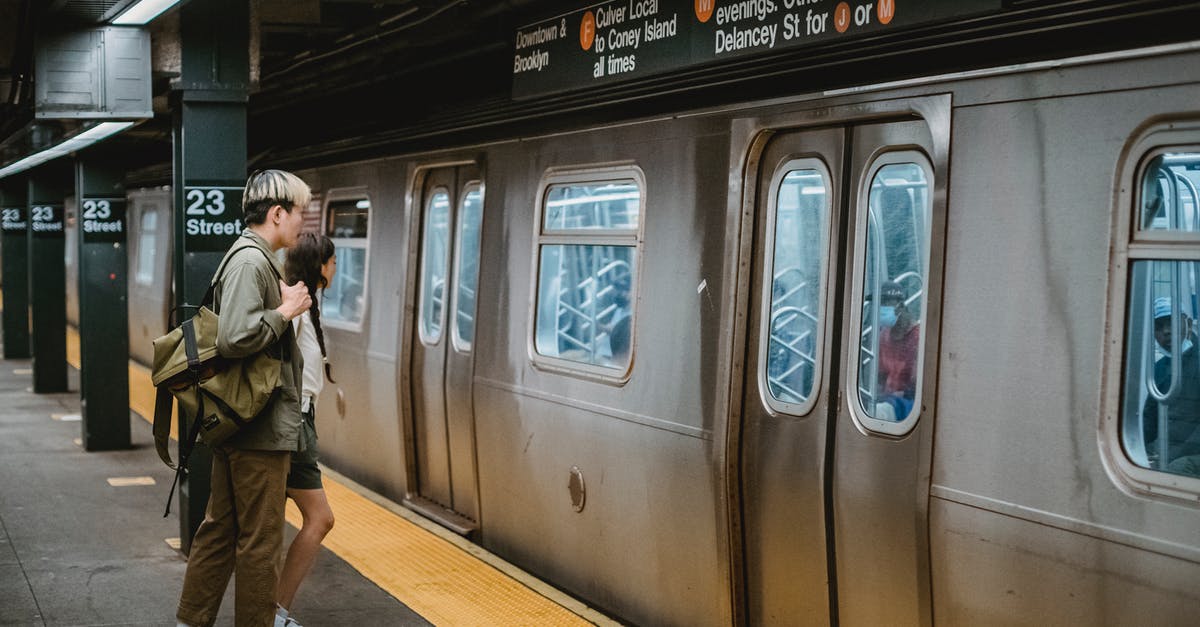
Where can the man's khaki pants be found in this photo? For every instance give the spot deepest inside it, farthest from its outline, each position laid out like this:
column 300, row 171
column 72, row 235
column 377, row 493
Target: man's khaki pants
column 242, row 531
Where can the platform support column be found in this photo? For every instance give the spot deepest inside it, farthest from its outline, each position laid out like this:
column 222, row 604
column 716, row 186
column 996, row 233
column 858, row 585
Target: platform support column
column 48, row 188
column 103, row 302
column 209, row 106
column 14, row 264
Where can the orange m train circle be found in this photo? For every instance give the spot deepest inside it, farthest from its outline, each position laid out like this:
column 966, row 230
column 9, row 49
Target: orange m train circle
column 886, row 9
column 587, row 30
column 704, row 9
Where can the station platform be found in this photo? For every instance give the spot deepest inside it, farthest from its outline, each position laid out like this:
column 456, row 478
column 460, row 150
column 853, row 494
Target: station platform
column 83, row 540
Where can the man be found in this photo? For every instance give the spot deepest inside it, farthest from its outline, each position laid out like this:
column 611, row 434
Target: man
column 1182, row 406
column 243, row 524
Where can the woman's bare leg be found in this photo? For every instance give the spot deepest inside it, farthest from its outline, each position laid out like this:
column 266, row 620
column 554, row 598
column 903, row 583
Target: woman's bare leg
column 318, row 520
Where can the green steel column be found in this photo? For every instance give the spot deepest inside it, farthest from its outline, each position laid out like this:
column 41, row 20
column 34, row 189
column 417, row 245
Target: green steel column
column 209, row 172
column 103, row 302
column 49, row 185
column 14, row 261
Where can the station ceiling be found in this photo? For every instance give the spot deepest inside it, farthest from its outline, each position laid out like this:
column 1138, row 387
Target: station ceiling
column 324, row 70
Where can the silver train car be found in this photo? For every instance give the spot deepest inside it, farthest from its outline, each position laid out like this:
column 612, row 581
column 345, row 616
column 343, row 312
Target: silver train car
column 908, row 354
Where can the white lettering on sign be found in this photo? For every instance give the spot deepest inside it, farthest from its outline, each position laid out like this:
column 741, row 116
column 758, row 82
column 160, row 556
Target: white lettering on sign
column 742, row 38
column 97, row 210
column 540, row 35
column 609, row 16
column 201, row 201
column 202, row 226
column 12, row 220
column 642, row 8
column 660, row 29
column 535, row 60
column 98, row 226
column 745, row 10
column 47, row 226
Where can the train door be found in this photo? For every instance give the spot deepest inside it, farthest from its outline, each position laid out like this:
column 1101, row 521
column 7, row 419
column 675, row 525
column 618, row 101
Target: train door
column 451, row 212
column 838, row 397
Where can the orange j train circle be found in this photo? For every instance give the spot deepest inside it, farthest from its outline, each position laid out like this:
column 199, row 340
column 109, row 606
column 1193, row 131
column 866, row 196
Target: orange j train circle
column 704, row 9
column 841, row 17
column 886, row 10
column 587, row 30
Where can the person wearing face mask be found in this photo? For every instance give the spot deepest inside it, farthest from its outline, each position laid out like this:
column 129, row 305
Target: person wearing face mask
column 899, row 345
column 1183, row 406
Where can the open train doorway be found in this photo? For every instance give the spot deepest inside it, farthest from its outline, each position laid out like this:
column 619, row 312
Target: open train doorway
column 450, row 211
column 838, row 400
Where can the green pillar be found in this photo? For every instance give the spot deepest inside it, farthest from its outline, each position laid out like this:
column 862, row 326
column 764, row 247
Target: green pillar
column 14, row 261
column 209, row 172
column 103, row 302
column 49, row 185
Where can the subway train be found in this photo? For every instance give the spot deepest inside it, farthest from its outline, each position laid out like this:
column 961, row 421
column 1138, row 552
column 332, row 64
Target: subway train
column 899, row 354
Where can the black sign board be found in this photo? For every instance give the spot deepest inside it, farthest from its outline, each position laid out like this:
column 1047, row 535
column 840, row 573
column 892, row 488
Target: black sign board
column 102, row 220
column 212, row 217
column 625, row 39
column 12, row 219
column 46, row 220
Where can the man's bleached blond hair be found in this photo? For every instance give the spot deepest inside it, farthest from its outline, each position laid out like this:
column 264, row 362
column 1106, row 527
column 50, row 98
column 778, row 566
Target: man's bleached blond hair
column 267, row 188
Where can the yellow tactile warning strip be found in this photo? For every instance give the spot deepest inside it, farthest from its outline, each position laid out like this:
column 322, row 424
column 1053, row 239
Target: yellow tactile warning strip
column 439, row 581
column 445, row 583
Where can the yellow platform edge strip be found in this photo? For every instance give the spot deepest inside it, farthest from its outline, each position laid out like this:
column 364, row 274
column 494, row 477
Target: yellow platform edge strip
column 437, row 574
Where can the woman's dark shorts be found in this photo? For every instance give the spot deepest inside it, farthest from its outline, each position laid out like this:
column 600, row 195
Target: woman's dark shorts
column 305, row 474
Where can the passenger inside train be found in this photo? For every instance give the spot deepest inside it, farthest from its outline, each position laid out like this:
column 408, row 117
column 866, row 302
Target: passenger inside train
column 899, row 342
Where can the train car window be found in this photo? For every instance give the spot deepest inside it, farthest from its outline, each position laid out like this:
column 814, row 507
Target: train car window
column 587, row 273
column 147, row 250
column 470, row 218
column 344, row 301
column 608, row 206
column 1160, row 426
column 435, row 240
column 896, row 266
column 1170, row 201
column 798, row 239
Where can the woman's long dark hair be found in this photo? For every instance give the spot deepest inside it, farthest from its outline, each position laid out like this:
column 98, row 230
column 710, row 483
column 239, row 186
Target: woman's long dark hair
column 304, row 261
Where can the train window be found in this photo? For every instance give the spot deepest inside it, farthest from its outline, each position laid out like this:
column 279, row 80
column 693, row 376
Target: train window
column 470, row 218
column 608, row 206
column 1169, row 193
column 798, row 239
column 344, row 301
column 587, row 271
column 435, row 243
column 896, row 265
column 147, row 250
column 1160, row 426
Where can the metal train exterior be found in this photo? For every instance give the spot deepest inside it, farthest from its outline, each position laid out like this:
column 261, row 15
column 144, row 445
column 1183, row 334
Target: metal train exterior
column 736, row 459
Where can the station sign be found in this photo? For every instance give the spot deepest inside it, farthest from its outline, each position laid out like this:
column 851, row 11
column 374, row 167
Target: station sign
column 626, row 39
column 102, row 220
column 46, row 221
column 12, row 220
column 212, row 217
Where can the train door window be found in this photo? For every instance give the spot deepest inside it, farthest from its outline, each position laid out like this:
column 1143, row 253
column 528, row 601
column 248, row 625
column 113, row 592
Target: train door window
column 435, row 240
column 470, row 218
column 347, row 223
column 895, row 220
column 147, row 249
column 798, row 243
column 587, row 270
column 1160, row 427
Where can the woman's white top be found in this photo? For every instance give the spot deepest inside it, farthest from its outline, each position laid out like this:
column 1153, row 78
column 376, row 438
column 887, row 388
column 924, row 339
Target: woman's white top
column 314, row 363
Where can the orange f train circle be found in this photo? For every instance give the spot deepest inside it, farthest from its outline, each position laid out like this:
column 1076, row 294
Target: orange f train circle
column 587, row 30
column 704, row 9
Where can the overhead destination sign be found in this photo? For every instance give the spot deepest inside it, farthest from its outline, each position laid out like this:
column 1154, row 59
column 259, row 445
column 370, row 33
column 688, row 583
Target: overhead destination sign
column 625, row 39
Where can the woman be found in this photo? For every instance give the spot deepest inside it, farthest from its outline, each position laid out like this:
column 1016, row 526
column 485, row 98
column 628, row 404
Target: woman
column 311, row 260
